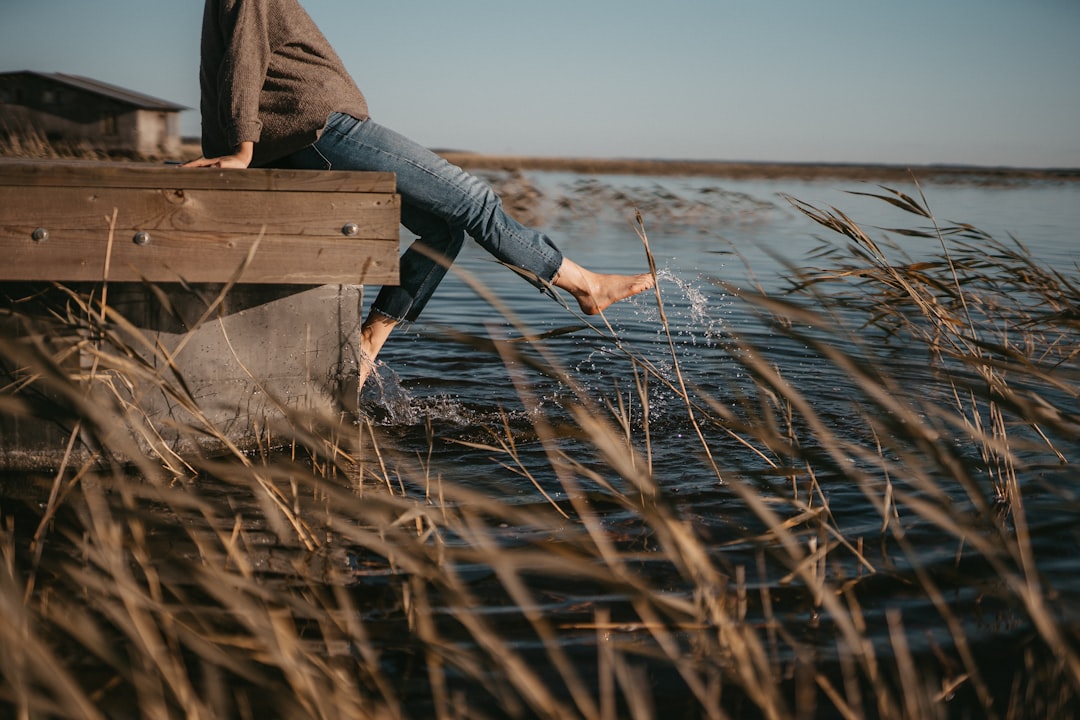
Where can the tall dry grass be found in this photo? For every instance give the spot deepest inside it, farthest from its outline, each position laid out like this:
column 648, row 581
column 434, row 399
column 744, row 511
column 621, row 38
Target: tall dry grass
column 333, row 572
column 29, row 142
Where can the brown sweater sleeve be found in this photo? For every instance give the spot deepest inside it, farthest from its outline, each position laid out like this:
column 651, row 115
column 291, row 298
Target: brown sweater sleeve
column 268, row 75
column 245, row 28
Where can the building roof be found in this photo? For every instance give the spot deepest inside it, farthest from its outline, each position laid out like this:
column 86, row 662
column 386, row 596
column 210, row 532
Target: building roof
column 139, row 100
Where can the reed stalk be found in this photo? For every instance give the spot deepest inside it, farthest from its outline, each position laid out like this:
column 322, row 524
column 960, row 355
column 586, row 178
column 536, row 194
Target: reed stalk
column 332, row 571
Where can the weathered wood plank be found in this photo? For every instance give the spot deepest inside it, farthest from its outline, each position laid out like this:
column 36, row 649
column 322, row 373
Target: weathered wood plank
column 306, row 214
column 76, row 173
column 59, row 220
column 80, row 256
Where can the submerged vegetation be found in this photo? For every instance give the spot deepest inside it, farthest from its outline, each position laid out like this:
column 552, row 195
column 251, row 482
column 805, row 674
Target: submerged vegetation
column 335, row 571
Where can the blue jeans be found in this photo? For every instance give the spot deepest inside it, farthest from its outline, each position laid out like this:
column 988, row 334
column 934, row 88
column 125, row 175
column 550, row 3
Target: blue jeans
column 440, row 204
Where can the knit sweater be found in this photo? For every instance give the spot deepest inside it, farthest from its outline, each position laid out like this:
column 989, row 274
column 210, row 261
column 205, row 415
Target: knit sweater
column 268, row 75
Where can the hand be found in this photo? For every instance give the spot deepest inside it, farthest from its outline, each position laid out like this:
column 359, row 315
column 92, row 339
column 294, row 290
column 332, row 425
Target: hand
column 239, row 159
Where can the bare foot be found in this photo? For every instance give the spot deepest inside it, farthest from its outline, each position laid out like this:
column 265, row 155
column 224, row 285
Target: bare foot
column 373, row 335
column 596, row 291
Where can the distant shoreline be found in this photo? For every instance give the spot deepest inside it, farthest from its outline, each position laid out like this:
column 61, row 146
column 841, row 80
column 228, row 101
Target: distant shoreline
column 760, row 170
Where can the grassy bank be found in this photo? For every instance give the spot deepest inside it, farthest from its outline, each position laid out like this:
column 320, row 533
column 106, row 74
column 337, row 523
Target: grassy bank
column 761, row 170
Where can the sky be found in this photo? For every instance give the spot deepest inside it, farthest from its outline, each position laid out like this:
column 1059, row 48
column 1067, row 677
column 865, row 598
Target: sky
column 973, row 82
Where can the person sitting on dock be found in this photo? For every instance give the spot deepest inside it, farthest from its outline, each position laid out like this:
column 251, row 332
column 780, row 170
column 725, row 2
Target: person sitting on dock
column 275, row 94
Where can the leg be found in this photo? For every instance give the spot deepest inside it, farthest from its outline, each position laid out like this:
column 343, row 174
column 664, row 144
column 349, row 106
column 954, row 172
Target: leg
column 423, row 265
column 444, row 202
column 431, row 185
column 373, row 335
column 422, row 268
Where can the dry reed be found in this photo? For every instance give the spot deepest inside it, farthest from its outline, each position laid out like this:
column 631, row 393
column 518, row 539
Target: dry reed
column 330, row 572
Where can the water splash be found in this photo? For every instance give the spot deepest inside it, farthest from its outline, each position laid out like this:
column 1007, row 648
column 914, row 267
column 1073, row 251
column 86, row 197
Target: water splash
column 385, row 399
column 699, row 312
column 697, row 321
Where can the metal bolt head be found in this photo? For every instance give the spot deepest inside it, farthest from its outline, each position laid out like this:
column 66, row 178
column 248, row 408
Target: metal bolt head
column 350, row 230
column 40, row 234
column 141, row 238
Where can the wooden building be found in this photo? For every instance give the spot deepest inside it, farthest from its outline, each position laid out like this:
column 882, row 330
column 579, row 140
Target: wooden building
column 69, row 109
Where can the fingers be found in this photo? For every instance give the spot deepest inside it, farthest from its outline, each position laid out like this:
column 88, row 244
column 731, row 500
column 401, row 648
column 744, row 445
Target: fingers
column 239, row 159
column 227, row 161
column 201, row 162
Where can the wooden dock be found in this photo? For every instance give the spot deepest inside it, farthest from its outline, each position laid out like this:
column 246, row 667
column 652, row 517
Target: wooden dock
column 91, row 221
column 243, row 287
